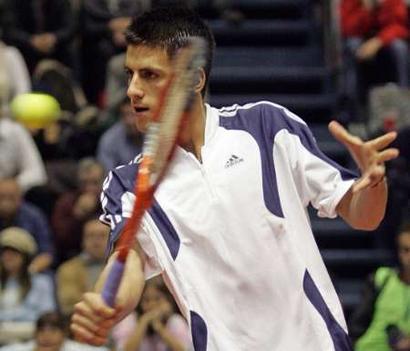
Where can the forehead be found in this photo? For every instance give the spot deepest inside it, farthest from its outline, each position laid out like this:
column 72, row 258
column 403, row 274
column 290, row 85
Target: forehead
column 404, row 238
column 142, row 56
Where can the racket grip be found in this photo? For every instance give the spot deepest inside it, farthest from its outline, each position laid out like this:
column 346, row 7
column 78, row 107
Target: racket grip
column 112, row 283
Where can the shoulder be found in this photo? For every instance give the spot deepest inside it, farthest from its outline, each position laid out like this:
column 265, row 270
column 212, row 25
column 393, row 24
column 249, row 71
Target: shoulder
column 122, row 177
column 73, row 263
column 70, row 345
column 382, row 274
column 11, row 54
column 265, row 114
column 41, row 280
column 31, row 210
column 27, row 346
column 12, row 127
column 113, row 132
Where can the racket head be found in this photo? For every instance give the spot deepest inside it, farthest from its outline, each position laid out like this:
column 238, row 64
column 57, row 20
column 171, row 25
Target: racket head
column 159, row 144
column 163, row 131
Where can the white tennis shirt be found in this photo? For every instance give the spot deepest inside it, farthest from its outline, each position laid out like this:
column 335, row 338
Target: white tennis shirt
column 232, row 237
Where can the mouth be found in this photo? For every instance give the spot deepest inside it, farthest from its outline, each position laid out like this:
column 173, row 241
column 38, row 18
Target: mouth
column 140, row 109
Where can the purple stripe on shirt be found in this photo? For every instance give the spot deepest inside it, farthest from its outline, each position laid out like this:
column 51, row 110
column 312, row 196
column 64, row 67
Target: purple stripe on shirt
column 263, row 121
column 199, row 332
column 166, row 228
column 341, row 340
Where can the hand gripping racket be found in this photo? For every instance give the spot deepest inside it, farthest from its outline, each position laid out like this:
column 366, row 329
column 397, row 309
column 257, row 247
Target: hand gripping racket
column 174, row 106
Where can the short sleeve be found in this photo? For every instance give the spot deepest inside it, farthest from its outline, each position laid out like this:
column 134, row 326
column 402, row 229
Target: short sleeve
column 117, row 201
column 320, row 181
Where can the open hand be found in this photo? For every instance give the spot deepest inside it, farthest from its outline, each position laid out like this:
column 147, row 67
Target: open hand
column 369, row 156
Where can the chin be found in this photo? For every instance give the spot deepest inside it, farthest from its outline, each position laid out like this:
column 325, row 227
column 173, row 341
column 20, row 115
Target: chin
column 142, row 126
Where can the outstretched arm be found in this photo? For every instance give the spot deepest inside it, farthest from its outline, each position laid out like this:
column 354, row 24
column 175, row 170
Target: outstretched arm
column 364, row 205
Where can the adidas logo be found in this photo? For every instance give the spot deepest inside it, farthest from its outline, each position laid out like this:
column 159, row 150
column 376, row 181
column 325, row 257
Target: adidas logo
column 233, row 160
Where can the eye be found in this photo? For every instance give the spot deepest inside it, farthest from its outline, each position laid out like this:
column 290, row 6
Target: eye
column 148, row 74
column 128, row 73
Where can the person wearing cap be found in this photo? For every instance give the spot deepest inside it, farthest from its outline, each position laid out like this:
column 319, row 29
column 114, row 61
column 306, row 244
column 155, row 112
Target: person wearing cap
column 51, row 335
column 23, row 296
column 16, row 212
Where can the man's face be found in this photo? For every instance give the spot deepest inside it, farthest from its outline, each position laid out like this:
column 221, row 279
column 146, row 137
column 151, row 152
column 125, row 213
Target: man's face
column 95, row 239
column 49, row 338
column 404, row 249
column 148, row 71
column 10, row 198
column 91, row 181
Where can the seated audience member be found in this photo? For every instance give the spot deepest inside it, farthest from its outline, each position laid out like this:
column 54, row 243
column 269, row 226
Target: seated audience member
column 159, row 326
column 116, row 85
column 23, row 295
column 51, row 335
column 382, row 320
column 124, row 135
column 14, row 211
column 14, row 76
column 370, row 27
column 19, row 156
column 104, row 23
column 40, row 29
column 79, row 274
column 74, row 208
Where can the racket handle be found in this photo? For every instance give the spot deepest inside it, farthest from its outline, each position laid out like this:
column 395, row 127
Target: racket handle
column 112, row 283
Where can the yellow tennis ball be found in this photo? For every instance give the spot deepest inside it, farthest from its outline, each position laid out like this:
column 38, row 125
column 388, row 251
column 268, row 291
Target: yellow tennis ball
column 35, row 110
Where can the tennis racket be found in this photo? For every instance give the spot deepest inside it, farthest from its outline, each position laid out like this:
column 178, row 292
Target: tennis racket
column 175, row 102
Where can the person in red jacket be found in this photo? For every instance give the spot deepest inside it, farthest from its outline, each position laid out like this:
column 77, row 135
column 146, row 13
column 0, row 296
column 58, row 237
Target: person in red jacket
column 368, row 27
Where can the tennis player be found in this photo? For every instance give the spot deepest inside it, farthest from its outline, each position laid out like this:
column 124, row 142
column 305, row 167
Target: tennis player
column 229, row 231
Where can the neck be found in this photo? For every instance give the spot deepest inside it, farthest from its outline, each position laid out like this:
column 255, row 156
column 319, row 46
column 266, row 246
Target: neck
column 405, row 275
column 193, row 133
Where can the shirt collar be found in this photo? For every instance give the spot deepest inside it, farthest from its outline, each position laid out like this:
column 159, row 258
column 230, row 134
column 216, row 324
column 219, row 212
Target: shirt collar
column 211, row 122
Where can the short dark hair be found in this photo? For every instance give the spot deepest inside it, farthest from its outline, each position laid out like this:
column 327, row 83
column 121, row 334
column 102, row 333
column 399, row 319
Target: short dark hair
column 404, row 228
column 169, row 28
column 52, row 319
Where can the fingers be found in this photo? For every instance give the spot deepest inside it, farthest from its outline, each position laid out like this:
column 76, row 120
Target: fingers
column 383, row 141
column 370, row 179
column 388, row 155
column 343, row 136
column 92, row 319
column 97, row 305
column 85, row 336
column 361, row 184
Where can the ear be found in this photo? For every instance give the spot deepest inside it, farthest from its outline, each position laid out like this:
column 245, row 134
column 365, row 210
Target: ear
column 199, row 86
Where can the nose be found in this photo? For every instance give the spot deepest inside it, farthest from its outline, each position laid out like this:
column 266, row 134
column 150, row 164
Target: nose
column 135, row 90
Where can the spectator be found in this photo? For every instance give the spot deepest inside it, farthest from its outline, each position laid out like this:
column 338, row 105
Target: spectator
column 116, row 84
column 159, row 327
column 104, row 23
column 40, row 29
column 14, row 76
column 382, row 320
column 79, row 274
column 51, row 335
column 370, row 27
column 23, row 296
column 19, row 156
column 74, row 208
column 14, row 211
column 125, row 135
